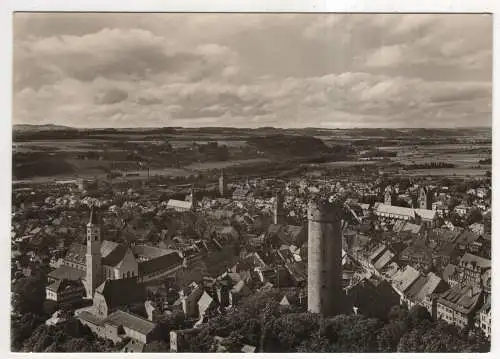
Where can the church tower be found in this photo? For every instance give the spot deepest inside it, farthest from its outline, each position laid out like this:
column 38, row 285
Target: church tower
column 93, row 255
column 192, row 198
column 222, row 184
column 425, row 198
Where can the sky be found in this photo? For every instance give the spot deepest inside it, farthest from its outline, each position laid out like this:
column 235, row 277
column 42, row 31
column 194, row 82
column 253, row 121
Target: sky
column 253, row 70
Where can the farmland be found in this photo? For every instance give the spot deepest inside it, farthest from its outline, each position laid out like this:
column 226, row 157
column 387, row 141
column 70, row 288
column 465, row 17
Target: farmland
column 43, row 155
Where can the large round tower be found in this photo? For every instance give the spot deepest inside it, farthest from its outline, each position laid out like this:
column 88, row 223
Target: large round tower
column 324, row 258
column 278, row 210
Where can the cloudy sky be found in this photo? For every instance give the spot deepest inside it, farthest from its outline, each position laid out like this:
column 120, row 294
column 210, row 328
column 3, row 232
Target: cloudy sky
column 253, row 70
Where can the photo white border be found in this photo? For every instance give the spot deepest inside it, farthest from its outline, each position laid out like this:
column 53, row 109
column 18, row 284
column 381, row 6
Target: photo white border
column 7, row 8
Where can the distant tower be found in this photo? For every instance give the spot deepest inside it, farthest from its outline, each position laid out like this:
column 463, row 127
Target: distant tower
column 278, row 210
column 192, row 198
column 222, row 184
column 324, row 255
column 93, row 255
column 425, row 198
column 390, row 196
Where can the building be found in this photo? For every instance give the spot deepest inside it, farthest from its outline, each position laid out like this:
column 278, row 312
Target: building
column 93, row 255
column 241, row 194
column 65, row 291
column 222, row 185
column 324, row 283
column 120, row 325
column 99, row 260
column 189, row 204
column 278, row 210
column 485, row 317
column 390, row 196
column 425, row 198
column 426, row 216
column 179, row 339
column 459, row 304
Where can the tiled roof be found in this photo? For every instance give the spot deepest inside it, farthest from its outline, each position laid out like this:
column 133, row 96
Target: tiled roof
column 63, row 284
column 287, row 233
column 128, row 320
column 377, row 252
column 174, row 203
column 89, row 317
column 403, row 279
column 461, row 298
column 122, row 291
column 133, row 346
column 479, row 261
column 383, row 260
column 167, row 261
column 149, row 251
column 415, row 287
column 425, row 214
column 76, row 253
column 107, row 247
column 205, row 302
column 65, row 272
column 115, row 256
column 430, row 286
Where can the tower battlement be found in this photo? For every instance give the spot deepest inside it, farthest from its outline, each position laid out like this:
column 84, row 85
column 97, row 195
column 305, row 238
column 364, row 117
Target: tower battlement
column 323, row 211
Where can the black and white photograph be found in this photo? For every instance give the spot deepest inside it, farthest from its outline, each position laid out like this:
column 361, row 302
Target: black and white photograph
column 251, row 182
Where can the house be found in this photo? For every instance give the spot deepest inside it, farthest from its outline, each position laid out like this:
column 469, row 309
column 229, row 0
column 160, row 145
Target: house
column 64, row 291
column 279, row 234
column 484, row 322
column 120, row 325
column 458, row 305
column 180, row 206
column 403, row 279
column 241, row 194
column 426, row 216
column 189, row 297
column 462, row 209
column 179, row 339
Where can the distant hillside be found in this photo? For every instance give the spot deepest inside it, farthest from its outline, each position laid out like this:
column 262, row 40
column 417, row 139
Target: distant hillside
column 289, row 146
column 34, row 128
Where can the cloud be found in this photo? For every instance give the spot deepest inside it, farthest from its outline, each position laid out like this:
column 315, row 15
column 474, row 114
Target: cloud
column 252, row 69
column 111, row 96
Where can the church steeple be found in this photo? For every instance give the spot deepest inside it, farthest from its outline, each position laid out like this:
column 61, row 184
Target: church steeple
column 93, row 254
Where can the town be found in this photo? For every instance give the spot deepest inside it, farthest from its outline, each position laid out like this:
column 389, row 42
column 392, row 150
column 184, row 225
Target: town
column 138, row 265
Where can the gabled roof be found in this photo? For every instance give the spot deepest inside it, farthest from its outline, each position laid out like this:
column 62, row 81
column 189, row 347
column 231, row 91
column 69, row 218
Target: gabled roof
column 462, row 298
column 425, row 214
column 174, row 203
column 205, row 302
column 165, row 262
column 432, row 283
column 150, row 251
column 403, row 279
column 76, row 253
column 131, row 321
column 115, row 256
column 65, row 272
column 479, row 261
column 122, row 291
column 287, row 233
column 383, row 260
column 64, row 284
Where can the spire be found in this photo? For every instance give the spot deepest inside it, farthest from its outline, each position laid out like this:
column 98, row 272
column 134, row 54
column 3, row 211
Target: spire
column 93, row 219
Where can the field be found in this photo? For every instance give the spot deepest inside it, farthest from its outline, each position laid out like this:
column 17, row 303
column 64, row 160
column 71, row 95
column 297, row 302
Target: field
column 69, row 154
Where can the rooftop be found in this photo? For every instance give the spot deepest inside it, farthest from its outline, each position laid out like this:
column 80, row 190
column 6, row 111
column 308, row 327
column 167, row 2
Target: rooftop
column 131, row 321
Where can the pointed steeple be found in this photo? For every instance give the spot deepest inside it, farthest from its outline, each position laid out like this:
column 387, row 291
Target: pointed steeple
column 93, row 219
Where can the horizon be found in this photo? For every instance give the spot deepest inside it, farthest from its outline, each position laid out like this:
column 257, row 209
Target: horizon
column 126, row 70
column 254, row 128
